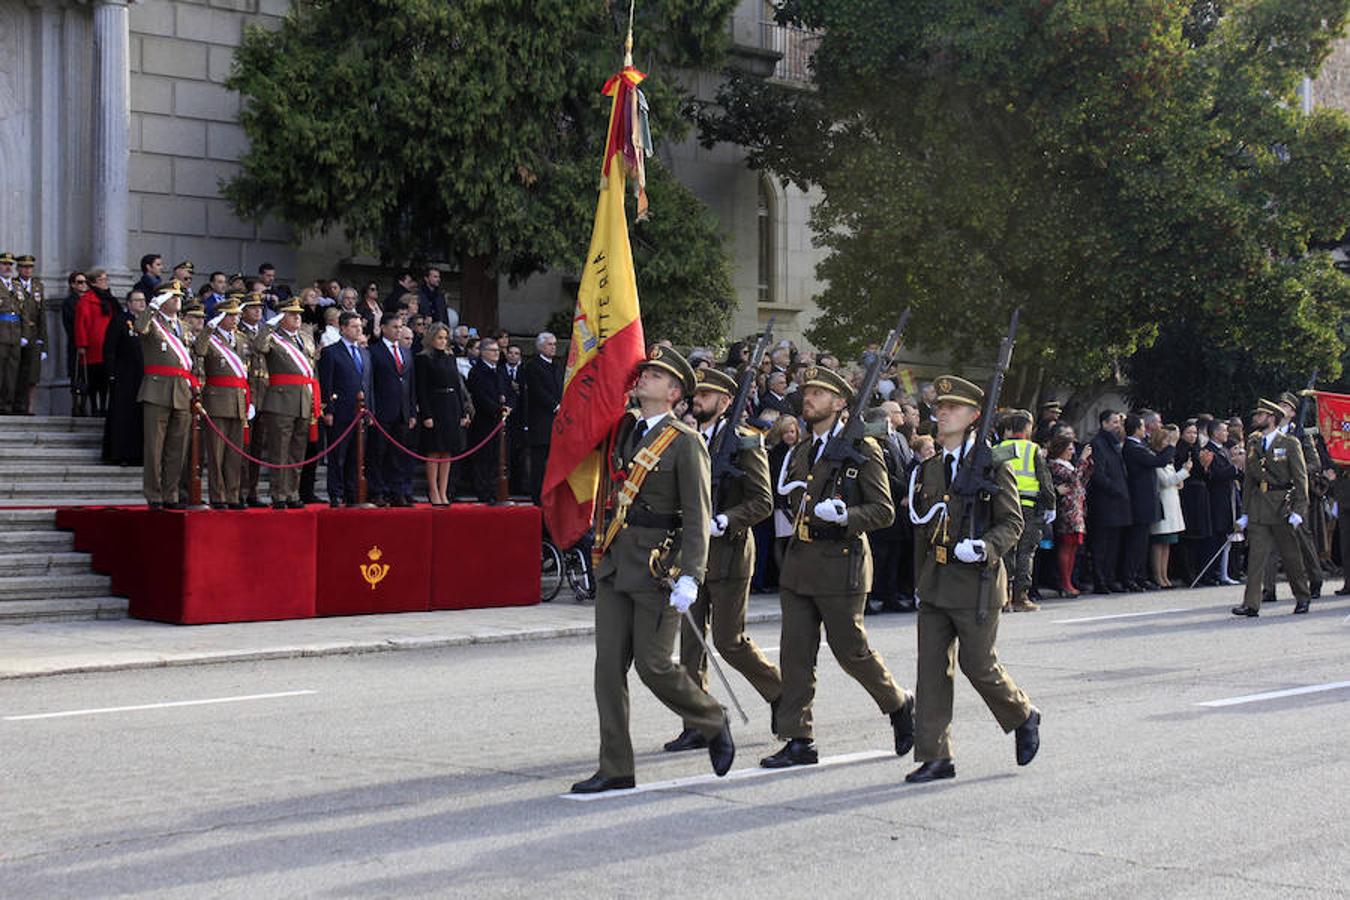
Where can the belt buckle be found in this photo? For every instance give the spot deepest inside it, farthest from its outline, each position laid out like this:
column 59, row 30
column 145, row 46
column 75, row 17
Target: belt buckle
column 940, row 555
column 1264, row 487
column 803, row 532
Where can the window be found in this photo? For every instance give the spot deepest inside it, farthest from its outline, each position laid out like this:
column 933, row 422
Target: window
column 768, row 254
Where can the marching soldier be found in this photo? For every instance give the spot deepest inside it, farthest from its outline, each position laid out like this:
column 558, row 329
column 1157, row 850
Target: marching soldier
column 656, row 534
column 11, row 333
column 962, row 583
column 827, row 572
column 725, row 593
column 165, row 397
column 227, row 399
column 250, row 323
column 291, row 408
column 33, row 336
column 1275, row 497
column 1317, row 487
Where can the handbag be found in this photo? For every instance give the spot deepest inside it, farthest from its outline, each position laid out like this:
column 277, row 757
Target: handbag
column 79, row 387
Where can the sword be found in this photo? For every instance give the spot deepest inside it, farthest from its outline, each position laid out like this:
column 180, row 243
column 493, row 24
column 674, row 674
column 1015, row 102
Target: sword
column 1211, row 561
column 712, row 660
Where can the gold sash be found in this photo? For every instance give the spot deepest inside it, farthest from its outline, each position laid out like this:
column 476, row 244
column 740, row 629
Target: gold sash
column 641, row 465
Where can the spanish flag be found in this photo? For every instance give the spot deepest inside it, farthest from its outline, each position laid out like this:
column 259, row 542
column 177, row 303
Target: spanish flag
column 607, row 340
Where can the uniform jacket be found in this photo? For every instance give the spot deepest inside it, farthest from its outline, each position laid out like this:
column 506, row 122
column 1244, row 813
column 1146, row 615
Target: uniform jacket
column 11, row 304
column 1108, row 493
column 825, row 566
column 1282, row 470
column 222, row 402
column 680, row 484
column 954, row 584
column 339, row 380
column 543, row 381
column 163, row 390
column 34, row 321
column 745, row 501
column 293, row 400
column 257, row 363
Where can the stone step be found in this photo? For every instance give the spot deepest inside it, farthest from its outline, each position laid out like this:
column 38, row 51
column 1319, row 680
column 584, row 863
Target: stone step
column 50, row 503
column 44, row 470
column 27, row 519
column 34, row 564
column 16, row 453
column 36, row 587
column 20, row 612
column 30, row 438
column 52, row 541
column 38, row 491
column 53, row 423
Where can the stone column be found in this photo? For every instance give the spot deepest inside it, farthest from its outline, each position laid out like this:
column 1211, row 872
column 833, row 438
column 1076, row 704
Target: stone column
column 53, row 387
column 112, row 124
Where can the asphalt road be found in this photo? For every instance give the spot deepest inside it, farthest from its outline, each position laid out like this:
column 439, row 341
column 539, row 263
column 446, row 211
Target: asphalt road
column 440, row 773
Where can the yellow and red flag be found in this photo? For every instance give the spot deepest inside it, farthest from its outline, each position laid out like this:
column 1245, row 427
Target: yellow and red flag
column 607, row 340
column 1333, row 423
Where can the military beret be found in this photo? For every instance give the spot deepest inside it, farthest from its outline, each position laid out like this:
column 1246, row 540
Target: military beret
column 672, row 363
column 710, row 379
column 952, row 389
column 828, row 380
column 7, row 257
column 27, row 260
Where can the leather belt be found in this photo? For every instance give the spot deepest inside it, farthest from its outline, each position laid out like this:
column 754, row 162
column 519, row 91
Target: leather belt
column 828, row 532
column 645, row 518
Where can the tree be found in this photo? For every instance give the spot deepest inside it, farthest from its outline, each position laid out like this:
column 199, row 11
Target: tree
column 1106, row 165
column 463, row 131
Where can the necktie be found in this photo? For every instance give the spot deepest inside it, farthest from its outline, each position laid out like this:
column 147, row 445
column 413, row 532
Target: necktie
column 356, row 357
column 817, row 447
column 398, row 358
column 949, row 461
column 638, row 431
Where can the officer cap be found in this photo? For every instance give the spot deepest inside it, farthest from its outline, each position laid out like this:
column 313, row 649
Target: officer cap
column 195, row 309
column 230, row 306
column 237, row 276
column 710, row 379
column 672, row 363
column 186, row 264
column 827, row 380
column 292, row 306
column 951, row 389
column 1269, row 406
column 1053, row 404
column 7, row 257
column 27, row 260
column 1289, row 399
column 250, row 300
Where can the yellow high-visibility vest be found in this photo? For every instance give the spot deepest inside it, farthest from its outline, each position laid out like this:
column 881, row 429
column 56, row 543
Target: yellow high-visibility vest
column 1024, row 469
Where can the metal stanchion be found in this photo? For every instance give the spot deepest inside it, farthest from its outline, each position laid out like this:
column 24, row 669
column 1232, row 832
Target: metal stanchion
column 361, row 489
column 195, row 454
column 503, row 486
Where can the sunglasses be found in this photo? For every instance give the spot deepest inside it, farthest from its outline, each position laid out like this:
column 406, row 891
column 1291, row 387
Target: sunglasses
column 80, row 281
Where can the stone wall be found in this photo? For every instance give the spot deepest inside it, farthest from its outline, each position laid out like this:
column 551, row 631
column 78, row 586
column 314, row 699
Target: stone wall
column 186, row 138
column 1332, row 85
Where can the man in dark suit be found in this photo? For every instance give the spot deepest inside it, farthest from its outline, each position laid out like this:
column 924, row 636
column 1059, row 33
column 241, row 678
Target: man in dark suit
column 1141, row 475
column 152, row 273
column 344, row 369
column 491, row 394
column 1221, row 477
column 1108, row 502
column 393, row 406
column 431, row 301
column 543, row 382
column 515, row 423
column 775, row 395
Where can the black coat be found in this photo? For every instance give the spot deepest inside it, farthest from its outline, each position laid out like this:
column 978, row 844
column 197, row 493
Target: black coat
column 391, row 390
column 1194, row 492
column 1108, row 494
column 125, row 364
column 443, row 398
column 1221, row 479
column 782, row 404
column 431, row 303
column 487, row 388
column 515, row 422
column 1141, row 473
column 543, row 382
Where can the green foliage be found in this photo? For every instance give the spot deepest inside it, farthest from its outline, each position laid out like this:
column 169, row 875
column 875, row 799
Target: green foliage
column 442, row 130
column 1107, row 165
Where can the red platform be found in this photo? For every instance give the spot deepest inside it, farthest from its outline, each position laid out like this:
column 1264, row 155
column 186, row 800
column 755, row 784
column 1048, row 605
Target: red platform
column 252, row 565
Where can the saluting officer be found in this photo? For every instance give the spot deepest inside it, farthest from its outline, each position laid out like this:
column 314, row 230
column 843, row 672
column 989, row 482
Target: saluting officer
column 1275, row 500
column 165, row 396
column 827, row 572
column 725, row 594
column 11, row 333
column 226, row 398
column 959, row 610
column 291, row 408
column 33, row 337
column 654, row 533
column 250, row 324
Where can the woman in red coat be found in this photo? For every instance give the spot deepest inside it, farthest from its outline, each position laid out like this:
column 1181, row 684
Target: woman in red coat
column 92, row 315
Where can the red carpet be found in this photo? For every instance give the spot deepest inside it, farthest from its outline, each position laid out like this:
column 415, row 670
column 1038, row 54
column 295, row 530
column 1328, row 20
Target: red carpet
column 253, row 565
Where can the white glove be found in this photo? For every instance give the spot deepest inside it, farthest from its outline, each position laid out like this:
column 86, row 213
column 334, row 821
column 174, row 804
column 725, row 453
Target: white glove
column 275, row 319
column 1295, row 519
column 969, row 551
column 44, row 356
column 251, row 412
column 832, row 511
column 717, row 525
column 23, row 342
column 1241, row 523
column 1050, row 516
column 215, row 320
column 160, row 299
column 684, row 594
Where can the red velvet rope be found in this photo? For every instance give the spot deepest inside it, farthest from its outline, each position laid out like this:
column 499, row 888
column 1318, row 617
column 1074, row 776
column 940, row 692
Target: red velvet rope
column 332, row 445
column 438, row 459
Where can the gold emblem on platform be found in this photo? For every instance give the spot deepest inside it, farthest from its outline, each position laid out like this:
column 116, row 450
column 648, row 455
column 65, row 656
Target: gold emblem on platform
column 374, row 572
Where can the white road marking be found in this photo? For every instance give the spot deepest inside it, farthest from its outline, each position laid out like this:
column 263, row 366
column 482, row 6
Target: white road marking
column 118, row 709
column 1277, row 695
column 737, row 775
column 1133, row 615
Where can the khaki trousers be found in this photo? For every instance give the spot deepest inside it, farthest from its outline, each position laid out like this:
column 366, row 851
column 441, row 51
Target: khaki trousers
column 842, row 617
column 223, row 468
column 726, row 603
column 948, row 637
column 165, row 450
column 9, row 374
column 638, row 630
column 1262, row 542
column 1312, row 566
column 257, row 441
column 287, row 438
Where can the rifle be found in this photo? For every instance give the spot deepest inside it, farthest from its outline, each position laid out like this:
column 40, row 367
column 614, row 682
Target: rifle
column 974, row 479
column 843, row 446
column 1304, row 405
column 725, row 443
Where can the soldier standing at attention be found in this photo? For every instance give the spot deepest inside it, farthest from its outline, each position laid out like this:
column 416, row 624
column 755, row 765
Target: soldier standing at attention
column 290, row 410
column 1275, row 497
column 725, row 594
column 11, row 333
column 250, row 324
column 827, row 572
column 958, row 623
column 658, row 484
column 226, row 398
column 33, row 337
column 165, row 397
